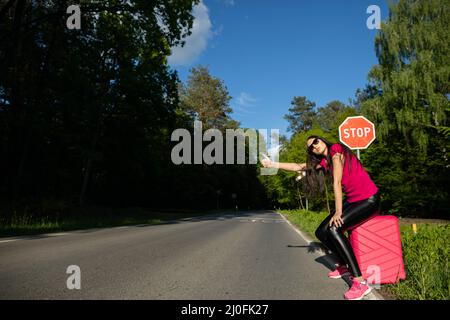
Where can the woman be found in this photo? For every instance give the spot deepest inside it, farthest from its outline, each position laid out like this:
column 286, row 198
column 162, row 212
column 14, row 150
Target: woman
column 361, row 203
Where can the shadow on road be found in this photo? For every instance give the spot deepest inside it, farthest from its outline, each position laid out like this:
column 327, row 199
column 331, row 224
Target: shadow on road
column 327, row 260
column 312, row 247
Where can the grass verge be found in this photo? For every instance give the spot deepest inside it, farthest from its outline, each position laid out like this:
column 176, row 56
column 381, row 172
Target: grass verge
column 426, row 256
column 87, row 218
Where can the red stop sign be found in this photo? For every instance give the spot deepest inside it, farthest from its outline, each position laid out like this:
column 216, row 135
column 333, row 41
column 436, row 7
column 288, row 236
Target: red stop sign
column 357, row 132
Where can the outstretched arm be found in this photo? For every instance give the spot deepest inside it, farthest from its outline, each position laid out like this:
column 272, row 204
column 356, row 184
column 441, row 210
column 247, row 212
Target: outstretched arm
column 267, row 163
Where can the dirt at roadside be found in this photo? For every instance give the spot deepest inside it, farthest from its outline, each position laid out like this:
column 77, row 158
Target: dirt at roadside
column 386, row 294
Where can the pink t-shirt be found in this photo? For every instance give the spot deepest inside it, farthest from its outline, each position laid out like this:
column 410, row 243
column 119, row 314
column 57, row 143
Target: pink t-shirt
column 356, row 183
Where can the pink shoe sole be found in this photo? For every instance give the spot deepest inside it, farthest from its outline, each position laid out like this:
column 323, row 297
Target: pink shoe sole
column 339, row 276
column 363, row 295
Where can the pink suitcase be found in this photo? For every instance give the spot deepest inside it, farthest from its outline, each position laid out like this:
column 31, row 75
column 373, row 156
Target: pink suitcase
column 378, row 249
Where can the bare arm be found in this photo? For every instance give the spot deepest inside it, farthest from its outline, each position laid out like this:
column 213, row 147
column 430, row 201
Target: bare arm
column 267, row 163
column 338, row 166
column 289, row 166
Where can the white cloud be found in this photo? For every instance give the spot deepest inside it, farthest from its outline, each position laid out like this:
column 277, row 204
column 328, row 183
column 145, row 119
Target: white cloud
column 244, row 103
column 246, row 100
column 197, row 42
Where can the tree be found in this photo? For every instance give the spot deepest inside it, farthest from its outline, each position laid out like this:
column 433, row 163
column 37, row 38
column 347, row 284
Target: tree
column 75, row 100
column 301, row 115
column 406, row 98
column 207, row 98
column 413, row 72
column 332, row 115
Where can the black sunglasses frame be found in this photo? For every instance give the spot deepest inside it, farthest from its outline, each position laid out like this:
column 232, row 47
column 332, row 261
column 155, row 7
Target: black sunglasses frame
column 315, row 142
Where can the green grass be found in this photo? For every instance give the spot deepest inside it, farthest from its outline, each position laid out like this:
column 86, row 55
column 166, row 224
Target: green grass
column 87, row 218
column 425, row 253
column 426, row 257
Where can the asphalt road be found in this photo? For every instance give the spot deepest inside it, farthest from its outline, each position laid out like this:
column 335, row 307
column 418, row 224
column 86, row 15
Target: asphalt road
column 254, row 255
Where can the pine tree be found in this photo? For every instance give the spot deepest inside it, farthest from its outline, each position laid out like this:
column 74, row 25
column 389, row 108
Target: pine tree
column 413, row 72
column 301, row 115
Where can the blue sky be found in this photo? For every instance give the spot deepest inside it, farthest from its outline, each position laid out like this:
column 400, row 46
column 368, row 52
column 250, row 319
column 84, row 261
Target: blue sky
column 268, row 51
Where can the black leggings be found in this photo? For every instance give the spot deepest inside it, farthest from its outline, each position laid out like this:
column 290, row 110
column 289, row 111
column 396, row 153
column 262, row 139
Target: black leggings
column 353, row 215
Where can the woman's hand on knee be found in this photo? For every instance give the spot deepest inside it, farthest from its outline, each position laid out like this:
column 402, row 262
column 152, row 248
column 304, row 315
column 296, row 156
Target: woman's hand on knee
column 336, row 220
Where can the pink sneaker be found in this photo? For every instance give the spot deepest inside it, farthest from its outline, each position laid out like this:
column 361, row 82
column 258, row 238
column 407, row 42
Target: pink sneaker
column 339, row 272
column 357, row 291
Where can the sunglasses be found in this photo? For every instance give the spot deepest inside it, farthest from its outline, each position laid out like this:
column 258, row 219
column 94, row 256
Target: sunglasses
column 314, row 143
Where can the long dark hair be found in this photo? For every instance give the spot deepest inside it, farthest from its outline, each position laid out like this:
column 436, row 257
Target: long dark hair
column 315, row 179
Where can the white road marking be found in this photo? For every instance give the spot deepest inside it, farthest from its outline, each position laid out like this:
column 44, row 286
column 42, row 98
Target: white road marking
column 55, row 234
column 38, row 236
column 264, row 220
column 3, row 241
